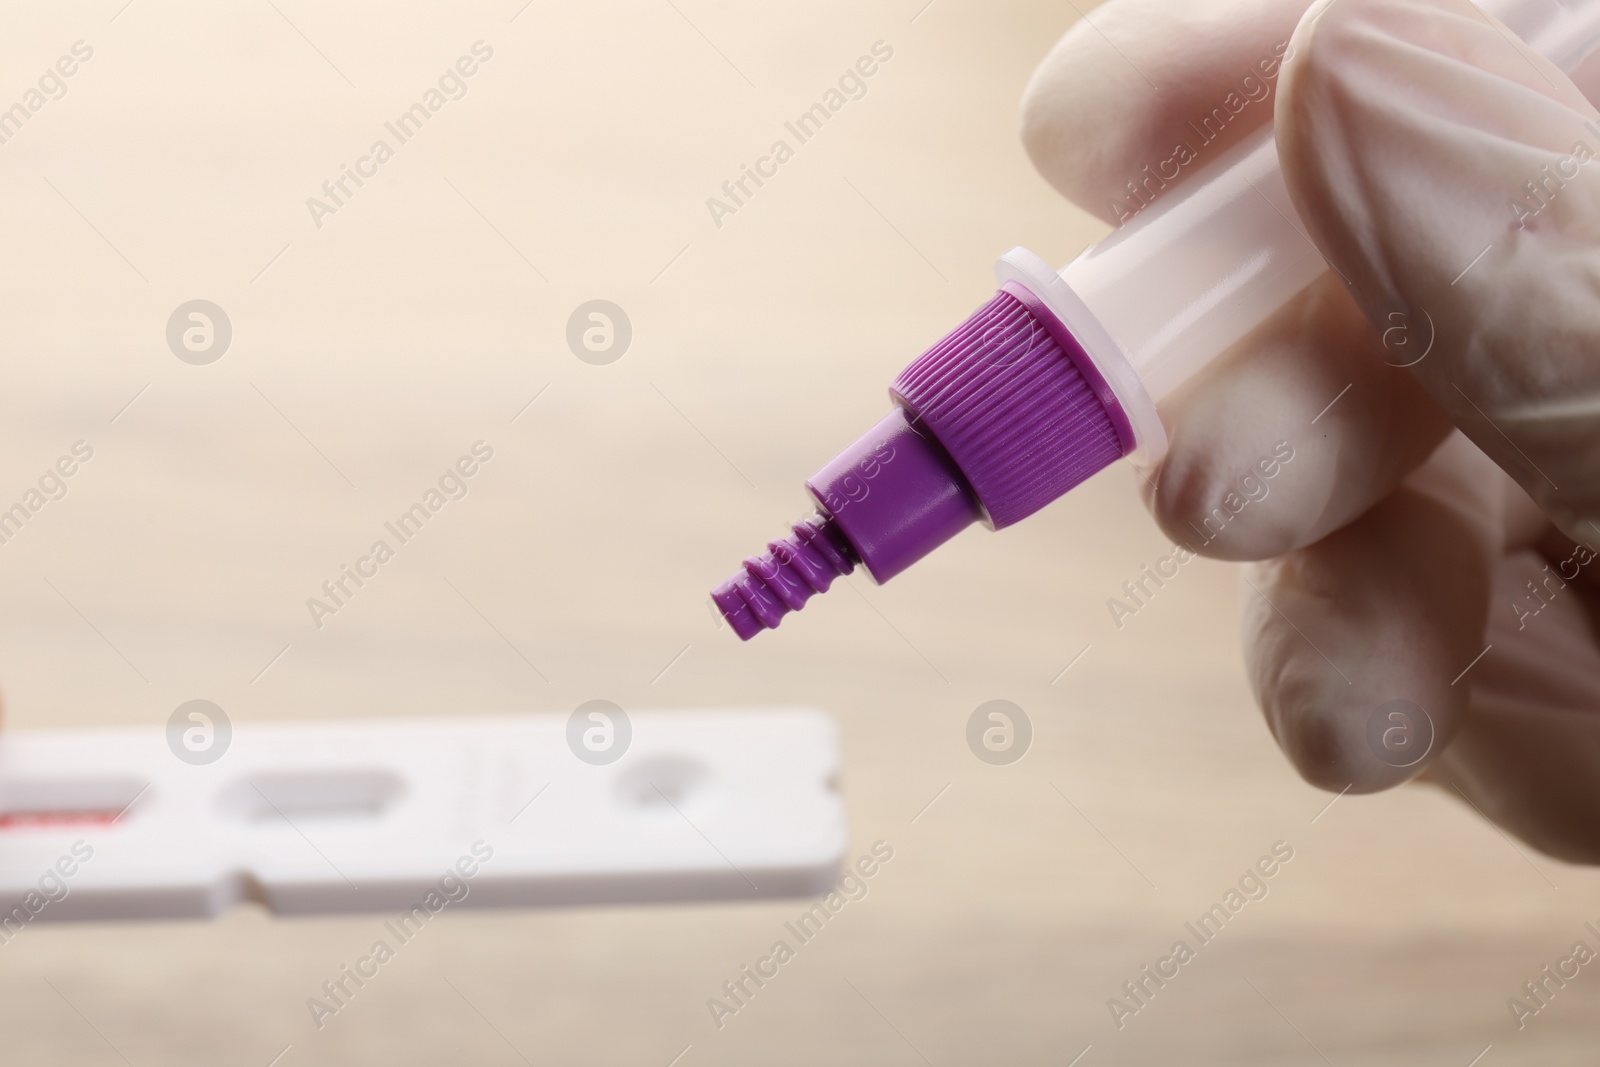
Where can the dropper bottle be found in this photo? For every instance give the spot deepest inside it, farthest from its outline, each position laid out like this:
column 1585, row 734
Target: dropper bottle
column 1060, row 373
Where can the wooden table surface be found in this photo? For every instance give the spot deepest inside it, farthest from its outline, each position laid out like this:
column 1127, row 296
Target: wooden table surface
column 374, row 343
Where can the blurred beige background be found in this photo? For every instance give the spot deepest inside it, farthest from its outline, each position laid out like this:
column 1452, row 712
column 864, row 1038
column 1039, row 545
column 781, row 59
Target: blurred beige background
column 423, row 316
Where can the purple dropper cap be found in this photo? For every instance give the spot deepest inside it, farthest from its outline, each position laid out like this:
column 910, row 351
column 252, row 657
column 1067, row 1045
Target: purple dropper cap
column 1001, row 417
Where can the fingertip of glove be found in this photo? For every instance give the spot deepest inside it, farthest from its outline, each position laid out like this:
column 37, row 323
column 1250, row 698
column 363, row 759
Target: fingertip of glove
column 1352, row 741
column 1353, row 644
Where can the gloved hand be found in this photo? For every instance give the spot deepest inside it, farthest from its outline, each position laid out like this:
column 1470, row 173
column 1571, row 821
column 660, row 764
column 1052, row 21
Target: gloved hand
column 1432, row 511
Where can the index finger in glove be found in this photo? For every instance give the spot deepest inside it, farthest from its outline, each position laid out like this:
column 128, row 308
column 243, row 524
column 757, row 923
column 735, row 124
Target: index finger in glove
column 1140, row 94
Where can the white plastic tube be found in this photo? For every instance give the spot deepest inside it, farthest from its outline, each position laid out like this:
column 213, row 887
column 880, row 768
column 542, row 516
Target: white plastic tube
column 1207, row 263
column 1199, row 269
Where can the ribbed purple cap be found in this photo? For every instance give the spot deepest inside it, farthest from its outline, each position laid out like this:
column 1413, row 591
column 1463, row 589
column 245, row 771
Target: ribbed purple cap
column 1017, row 404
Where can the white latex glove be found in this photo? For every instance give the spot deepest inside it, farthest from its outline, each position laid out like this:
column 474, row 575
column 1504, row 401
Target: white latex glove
column 1400, row 542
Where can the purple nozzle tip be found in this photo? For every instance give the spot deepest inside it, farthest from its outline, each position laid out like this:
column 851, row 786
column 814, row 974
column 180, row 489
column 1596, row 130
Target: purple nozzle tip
column 788, row 574
column 884, row 502
column 1001, row 417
